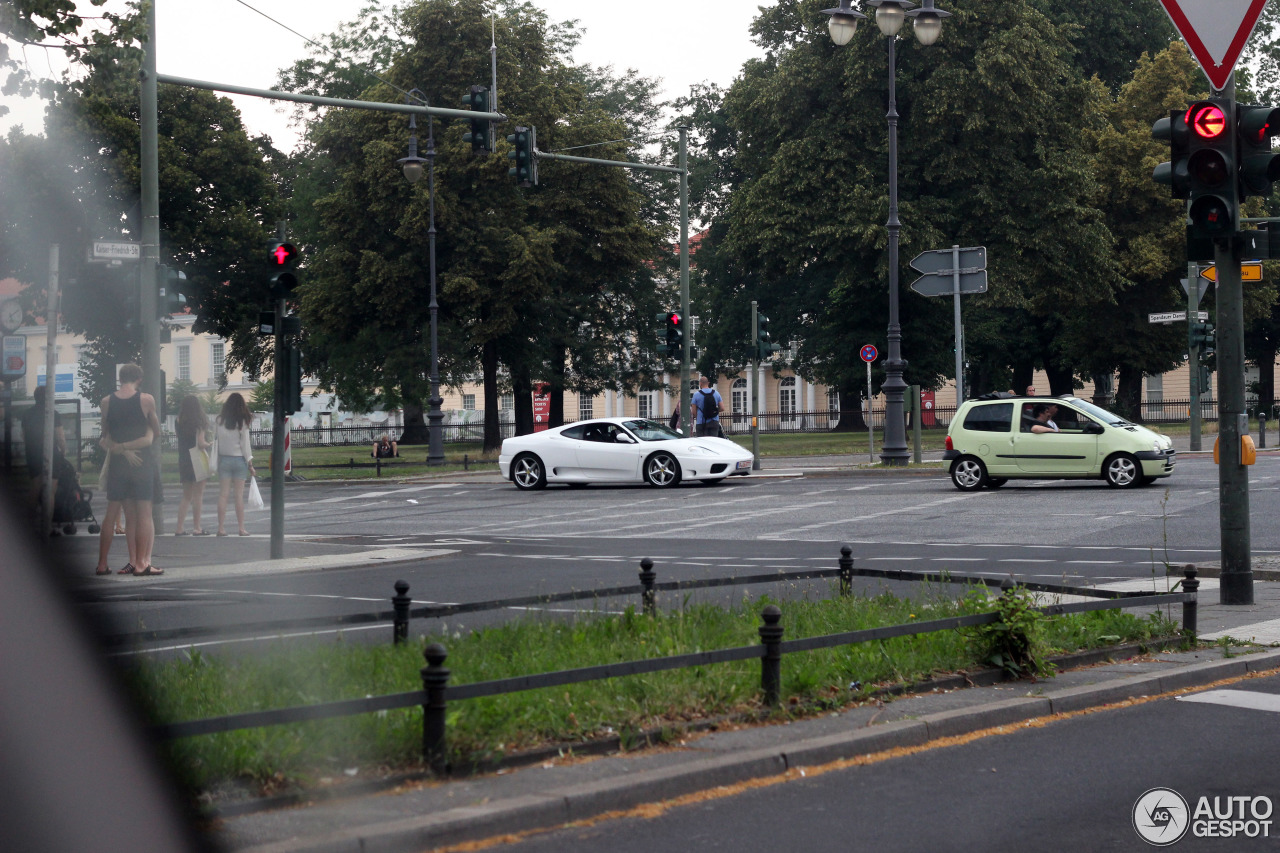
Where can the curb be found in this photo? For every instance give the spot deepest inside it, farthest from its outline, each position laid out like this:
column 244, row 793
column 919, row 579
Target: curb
column 590, row 799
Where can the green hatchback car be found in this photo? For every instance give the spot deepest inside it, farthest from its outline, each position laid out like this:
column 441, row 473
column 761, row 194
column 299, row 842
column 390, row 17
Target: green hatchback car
column 1001, row 437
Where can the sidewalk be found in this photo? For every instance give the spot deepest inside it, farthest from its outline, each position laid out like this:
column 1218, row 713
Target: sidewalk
column 425, row 814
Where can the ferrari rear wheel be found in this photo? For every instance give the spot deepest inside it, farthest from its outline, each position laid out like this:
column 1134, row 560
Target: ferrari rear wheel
column 662, row 470
column 528, row 473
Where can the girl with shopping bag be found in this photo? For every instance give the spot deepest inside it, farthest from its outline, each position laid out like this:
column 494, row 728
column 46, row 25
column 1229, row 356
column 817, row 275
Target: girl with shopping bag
column 193, row 462
column 235, row 458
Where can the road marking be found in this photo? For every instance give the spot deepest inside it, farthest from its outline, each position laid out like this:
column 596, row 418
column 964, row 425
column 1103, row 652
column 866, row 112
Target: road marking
column 888, row 559
column 1251, row 699
column 958, row 560
column 1093, row 562
column 874, row 515
column 1025, row 560
column 382, row 494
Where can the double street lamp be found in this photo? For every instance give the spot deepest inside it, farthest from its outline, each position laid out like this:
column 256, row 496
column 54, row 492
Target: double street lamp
column 927, row 22
column 412, row 168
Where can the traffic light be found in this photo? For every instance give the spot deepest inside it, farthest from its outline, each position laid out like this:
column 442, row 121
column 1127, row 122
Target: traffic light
column 525, row 171
column 1174, row 173
column 1205, row 376
column 675, row 332
column 1202, row 335
column 765, row 346
column 663, row 333
column 1258, row 167
column 1211, row 170
column 170, row 299
column 291, row 390
column 283, row 257
column 478, row 99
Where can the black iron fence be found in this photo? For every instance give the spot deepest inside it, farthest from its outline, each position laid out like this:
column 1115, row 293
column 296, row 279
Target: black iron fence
column 436, row 692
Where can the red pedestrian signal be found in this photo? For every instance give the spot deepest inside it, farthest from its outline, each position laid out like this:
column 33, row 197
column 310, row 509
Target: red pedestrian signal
column 283, row 254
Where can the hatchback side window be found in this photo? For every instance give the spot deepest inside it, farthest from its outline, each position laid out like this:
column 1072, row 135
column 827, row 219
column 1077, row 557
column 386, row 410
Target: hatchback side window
column 993, row 418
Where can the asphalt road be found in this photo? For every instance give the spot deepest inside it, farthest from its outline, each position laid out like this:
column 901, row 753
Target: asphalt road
column 488, row 540
column 1070, row 785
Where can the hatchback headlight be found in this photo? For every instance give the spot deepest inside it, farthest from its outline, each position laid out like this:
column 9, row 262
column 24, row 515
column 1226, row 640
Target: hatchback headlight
column 1156, row 447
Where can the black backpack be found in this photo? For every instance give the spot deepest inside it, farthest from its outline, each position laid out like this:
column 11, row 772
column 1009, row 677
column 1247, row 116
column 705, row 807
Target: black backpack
column 710, row 410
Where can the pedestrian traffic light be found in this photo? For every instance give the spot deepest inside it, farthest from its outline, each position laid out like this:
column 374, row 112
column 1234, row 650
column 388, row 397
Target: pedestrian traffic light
column 1205, row 375
column 170, row 298
column 525, row 170
column 478, row 99
column 765, row 346
column 1173, row 130
column 1211, row 170
column 1258, row 167
column 283, row 257
column 663, row 334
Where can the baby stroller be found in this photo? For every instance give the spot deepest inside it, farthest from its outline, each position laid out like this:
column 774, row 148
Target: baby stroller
column 71, row 503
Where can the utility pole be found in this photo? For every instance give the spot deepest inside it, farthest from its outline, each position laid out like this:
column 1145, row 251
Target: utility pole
column 279, row 419
column 685, row 366
column 148, row 287
column 755, row 392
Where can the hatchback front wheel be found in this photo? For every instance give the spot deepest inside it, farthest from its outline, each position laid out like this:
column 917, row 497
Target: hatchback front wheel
column 1123, row 471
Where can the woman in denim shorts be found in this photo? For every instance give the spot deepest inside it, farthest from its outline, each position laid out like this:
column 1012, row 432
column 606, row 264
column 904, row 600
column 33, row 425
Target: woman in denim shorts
column 235, row 458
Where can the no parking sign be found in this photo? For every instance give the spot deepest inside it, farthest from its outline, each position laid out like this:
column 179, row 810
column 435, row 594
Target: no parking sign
column 869, row 353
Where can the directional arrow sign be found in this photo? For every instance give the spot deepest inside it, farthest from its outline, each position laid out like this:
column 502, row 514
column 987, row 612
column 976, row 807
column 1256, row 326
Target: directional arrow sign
column 942, row 283
column 942, row 260
column 1248, row 272
column 1216, row 31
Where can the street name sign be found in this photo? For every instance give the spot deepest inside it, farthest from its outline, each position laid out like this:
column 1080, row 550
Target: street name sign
column 117, row 251
column 941, row 260
column 1216, row 31
column 1168, row 317
column 943, row 283
column 1249, row 271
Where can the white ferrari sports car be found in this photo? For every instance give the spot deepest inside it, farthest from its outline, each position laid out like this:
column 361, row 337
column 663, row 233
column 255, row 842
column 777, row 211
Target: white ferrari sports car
column 618, row 450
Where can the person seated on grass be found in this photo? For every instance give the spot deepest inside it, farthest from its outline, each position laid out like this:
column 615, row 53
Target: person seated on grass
column 385, row 448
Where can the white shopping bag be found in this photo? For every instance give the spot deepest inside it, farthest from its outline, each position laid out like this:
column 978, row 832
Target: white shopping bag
column 255, row 496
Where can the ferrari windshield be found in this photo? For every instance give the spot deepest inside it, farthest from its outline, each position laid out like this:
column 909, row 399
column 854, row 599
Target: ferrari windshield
column 647, row 430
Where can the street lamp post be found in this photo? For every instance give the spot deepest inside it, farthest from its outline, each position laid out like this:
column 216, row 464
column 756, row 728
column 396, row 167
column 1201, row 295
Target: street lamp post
column 927, row 23
column 412, row 168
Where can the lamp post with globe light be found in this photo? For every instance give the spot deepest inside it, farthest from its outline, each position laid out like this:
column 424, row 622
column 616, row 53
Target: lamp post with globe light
column 412, row 168
column 927, row 23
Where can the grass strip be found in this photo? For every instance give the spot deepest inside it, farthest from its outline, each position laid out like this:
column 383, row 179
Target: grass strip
column 200, row 685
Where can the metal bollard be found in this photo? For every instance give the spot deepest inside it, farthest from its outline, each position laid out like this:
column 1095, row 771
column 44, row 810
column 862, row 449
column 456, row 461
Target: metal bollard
column 771, row 662
column 1262, row 429
column 648, row 595
column 400, row 603
column 435, row 678
column 466, row 462
column 846, row 570
column 1190, row 609
column 378, row 462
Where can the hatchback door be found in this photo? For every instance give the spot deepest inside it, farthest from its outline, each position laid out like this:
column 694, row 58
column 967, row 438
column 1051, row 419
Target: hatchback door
column 1071, row 451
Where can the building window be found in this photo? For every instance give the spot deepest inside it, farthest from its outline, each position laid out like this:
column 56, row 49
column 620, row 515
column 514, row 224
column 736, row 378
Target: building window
column 184, row 362
column 739, row 396
column 787, row 396
column 469, row 402
column 586, row 407
column 507, row 404
column 217, row 364
column 644, row 404
column 833, row 400
column 1155, row 389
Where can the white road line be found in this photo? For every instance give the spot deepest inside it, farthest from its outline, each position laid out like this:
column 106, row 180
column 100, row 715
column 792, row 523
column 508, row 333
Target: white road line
column 1250, row 699
column 1026, row 560
column 891, row 559
column 875, row 515
column 382, row 494
column 1093, row 562
column 958, row 560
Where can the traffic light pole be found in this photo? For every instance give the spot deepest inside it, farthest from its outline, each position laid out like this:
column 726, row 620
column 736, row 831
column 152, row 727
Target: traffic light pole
column 1193, row 350
column 755, row 388
column 1233, row 477
column 148, row 287
column 279, row 420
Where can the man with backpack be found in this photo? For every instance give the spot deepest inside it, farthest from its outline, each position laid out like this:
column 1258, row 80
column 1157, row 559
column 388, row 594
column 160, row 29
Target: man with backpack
column 706, row 406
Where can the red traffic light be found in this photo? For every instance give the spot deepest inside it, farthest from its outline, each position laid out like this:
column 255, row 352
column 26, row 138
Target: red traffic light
column 1206, row 120
column 283, row 254
column 674, row 319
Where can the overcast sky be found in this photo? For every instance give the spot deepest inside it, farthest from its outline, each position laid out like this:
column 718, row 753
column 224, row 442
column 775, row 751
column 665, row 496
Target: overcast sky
column 681, row 41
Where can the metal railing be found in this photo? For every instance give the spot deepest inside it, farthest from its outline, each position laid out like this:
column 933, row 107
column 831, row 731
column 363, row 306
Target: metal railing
column 436, row 692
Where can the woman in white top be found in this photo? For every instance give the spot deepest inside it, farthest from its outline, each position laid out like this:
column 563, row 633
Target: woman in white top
column 235, row 458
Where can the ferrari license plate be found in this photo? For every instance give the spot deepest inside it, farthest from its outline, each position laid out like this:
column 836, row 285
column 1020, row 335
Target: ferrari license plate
column 744, row 464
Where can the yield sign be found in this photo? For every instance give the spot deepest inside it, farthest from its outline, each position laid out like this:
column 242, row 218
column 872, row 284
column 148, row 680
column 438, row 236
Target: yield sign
column 1216, row 31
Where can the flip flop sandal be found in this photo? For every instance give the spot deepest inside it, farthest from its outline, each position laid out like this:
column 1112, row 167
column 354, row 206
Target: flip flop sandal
column 203, row 533
column 181, row 533
column 127, row 570
column 148, row 572
column 103, row 571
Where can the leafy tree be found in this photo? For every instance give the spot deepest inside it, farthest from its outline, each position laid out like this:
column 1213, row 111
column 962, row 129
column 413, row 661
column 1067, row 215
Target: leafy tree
column 520, row 273
column 179, row 390
column 264, row 396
